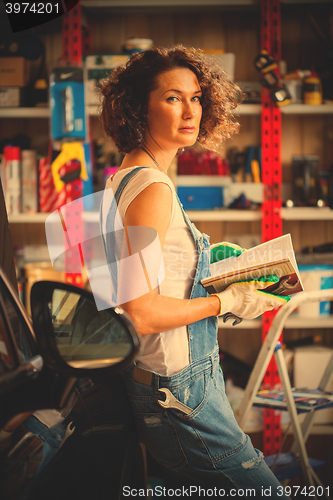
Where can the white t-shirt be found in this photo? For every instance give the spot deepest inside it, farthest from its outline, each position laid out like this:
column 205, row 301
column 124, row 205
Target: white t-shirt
column 167, row 352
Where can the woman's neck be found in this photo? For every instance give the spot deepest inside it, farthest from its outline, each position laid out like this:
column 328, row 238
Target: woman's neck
column 146, row 156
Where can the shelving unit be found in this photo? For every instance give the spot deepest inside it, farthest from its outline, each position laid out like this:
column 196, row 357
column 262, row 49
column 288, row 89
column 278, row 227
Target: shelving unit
column 230, row 31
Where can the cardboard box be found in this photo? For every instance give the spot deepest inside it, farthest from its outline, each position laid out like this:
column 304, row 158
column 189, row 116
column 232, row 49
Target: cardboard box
column 29, row 181
column 11, row 97
column 97, row 68
column 309, row 365
column 14, row 72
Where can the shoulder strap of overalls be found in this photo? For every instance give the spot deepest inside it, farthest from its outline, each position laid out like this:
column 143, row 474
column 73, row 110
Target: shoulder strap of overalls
column 114, row 204
column 125, row 181
column 107, row 230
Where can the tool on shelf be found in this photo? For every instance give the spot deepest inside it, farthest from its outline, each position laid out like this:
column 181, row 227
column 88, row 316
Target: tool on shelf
column 271, row 78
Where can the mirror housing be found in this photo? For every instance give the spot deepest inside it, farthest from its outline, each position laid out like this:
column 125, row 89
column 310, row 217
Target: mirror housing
column 82, row 356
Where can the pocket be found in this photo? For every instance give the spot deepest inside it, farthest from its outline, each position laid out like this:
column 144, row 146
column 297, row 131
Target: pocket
column 193, row 393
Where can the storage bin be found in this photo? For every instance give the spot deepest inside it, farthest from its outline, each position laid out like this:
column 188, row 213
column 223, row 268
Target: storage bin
column 316, row 277
column 201, row 197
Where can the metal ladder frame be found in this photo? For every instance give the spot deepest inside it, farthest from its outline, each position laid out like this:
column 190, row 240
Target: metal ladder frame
column 269, row 347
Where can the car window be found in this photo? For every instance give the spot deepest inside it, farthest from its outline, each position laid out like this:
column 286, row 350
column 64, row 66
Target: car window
column 18, row 324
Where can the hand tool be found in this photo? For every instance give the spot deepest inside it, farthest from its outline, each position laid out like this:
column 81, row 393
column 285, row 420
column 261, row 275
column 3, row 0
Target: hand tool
column 171, row 402
column 284, row 286
column 232, row 316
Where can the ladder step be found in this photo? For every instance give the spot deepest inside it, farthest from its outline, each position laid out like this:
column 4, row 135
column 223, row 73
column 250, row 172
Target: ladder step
column 288, row 466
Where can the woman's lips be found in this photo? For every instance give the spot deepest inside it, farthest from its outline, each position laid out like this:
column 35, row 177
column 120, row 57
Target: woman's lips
column 187, row 129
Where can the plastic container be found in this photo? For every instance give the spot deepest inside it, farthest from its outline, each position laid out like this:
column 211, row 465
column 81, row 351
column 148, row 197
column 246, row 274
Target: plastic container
column 312, row 91
column 316, row 277
column 133, row 45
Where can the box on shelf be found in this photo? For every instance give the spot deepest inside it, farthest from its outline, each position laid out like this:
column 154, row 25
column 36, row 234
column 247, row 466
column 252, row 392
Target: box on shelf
column 225, row 60
column 201, row 192
column 67, row 103
column 12, row 178
column 309, row 365
column 14, row 71
column 29, row 181
column 201, row 197
column 192, row 189
column 316, row 277
column 12, row 97
column 97, row 68
column 49, row 198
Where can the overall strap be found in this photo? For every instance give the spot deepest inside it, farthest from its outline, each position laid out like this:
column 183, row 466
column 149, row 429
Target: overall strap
column 125, row 181
column 108, row 231
column 115, row 200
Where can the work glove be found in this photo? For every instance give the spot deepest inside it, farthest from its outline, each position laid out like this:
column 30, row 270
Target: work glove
column 224, row 250
column 247, row 300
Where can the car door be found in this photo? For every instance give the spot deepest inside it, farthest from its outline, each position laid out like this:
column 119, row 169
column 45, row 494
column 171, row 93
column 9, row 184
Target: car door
column 26, row 385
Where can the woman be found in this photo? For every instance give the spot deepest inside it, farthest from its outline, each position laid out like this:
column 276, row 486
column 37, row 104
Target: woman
column 161, row 101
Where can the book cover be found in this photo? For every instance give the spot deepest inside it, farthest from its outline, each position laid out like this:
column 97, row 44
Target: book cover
column 273, row 257
column 305, row 399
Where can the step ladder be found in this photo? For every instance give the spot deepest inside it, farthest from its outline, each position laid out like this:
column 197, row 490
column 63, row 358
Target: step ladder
column 297, row 460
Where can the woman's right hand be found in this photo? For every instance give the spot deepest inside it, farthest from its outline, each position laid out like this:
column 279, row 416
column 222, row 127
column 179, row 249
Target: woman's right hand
column 247, row 300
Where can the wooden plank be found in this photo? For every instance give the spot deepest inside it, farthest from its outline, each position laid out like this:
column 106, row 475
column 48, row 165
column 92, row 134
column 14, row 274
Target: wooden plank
column 313, row 132
column 291, row 128
column 242, row 38
column 108, row 33
column 137, row 26
column 294, row 228
column 211, row 32
column 186, row 30
column 162, row 29
column 21, row 236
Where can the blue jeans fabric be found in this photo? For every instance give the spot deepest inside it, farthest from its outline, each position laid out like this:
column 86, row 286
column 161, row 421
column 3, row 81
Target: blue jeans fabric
column 51, row 438
column 206, row 447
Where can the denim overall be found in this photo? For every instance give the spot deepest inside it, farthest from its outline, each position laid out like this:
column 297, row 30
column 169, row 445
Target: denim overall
column 206, row 447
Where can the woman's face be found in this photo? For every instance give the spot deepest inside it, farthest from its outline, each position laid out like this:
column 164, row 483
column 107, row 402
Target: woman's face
column 174, row 109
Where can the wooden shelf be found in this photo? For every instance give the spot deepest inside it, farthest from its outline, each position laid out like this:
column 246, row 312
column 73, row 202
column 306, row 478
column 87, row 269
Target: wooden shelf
column 292, row 322
column 39, row 217
column 224, row 215
column 307, row 109
column 248, row 109
column 25, row 112
column 311, row 323
column 307, row 213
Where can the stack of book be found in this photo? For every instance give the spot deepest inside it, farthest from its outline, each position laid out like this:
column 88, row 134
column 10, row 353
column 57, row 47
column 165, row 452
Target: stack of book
column 305, row 399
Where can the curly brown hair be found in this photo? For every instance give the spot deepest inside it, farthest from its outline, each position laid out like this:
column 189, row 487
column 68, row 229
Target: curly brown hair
column 126, row 92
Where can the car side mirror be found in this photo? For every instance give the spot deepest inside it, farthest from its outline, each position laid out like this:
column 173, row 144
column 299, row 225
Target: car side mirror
column 77, row 338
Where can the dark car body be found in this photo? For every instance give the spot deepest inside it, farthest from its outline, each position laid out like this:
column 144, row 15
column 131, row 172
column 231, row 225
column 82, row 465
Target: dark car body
column 93, row 450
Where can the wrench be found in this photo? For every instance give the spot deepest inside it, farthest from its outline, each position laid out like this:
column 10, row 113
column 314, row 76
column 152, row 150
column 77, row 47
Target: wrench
column 171, row 402
column 232, row 316
column 284, row 286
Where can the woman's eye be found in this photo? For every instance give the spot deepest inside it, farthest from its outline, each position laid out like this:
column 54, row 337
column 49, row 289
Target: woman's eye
column 196, row 98
column 172, row 98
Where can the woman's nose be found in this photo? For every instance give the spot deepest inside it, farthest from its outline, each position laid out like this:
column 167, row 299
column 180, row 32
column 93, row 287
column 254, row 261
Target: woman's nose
column 188, row 111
